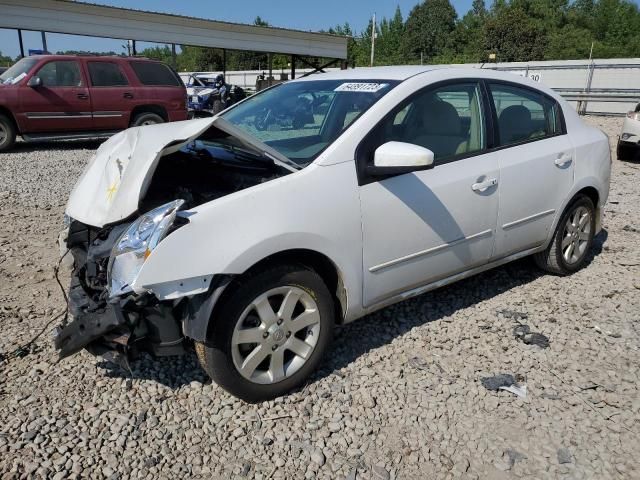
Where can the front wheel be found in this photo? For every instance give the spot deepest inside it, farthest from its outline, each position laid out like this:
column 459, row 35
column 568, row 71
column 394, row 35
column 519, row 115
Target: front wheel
column 270, row 333
column 7, row 133
column 572, row 239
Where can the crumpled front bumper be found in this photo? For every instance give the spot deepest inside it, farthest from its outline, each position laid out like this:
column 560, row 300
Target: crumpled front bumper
column 91, row 321
column 87, row 328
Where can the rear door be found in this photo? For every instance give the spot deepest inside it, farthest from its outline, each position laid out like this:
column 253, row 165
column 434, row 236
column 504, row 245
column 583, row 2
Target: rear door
column 161, row 86
column 113, row 98
column 61, row 103
column 536, row 165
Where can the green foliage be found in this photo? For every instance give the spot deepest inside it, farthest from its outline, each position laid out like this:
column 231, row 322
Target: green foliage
column 428, row 28
column 515, row 30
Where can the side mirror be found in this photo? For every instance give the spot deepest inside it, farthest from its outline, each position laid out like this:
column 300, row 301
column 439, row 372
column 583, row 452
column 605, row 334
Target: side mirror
column 34, row 81
column 400, row 157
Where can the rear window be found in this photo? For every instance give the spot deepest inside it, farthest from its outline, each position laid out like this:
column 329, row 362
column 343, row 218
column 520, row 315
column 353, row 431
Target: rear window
column 155, row 74
column 104, row 74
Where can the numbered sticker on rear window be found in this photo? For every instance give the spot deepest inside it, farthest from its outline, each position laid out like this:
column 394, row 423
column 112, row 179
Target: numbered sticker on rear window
column 361, row 87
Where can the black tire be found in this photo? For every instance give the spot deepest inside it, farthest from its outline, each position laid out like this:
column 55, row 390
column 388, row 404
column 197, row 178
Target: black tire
column 552, row 259
column 217, row 357
column 217, row 107
column 7, row 133
column 625, row 151
column 146, row 118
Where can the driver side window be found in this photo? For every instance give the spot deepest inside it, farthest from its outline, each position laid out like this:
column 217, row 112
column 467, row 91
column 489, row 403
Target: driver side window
column 447, row 120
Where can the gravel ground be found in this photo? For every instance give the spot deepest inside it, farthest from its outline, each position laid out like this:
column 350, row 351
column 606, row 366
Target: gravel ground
column 398, row 396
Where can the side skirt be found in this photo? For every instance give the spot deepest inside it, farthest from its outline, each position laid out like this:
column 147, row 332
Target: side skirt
column 45, row 137
column 446, row 281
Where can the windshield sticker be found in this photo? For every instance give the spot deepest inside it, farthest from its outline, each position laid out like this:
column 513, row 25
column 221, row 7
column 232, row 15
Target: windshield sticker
column 361, row 87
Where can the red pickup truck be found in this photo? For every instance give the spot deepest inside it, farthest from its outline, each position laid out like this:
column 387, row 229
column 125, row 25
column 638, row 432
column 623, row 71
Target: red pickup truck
column 48, row 97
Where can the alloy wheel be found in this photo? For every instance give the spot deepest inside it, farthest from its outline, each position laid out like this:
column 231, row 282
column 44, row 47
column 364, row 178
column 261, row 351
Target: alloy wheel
column 275, row 335
column 576, row 235
column 3, row 134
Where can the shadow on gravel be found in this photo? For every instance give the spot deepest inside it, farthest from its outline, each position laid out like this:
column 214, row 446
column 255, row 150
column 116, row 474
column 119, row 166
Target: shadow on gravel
column 373, row 331
column 24, row 147
column 380, row 328
column 173, row 372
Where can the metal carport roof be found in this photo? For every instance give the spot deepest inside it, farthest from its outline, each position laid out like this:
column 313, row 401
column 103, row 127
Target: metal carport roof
column 71, row 17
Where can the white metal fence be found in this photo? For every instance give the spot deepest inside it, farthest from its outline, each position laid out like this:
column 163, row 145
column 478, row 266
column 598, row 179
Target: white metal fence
column 603, row 87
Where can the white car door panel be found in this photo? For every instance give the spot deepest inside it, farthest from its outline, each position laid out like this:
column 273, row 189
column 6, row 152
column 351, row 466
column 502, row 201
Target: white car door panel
column 534, row 180
column 424, row 226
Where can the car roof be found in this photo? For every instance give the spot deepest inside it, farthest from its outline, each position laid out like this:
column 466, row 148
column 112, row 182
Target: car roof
column 91, row 57
column 401, row 73
column 374, row 73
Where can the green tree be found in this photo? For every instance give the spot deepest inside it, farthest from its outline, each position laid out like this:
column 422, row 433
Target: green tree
column 428, row 29
column 514, row 36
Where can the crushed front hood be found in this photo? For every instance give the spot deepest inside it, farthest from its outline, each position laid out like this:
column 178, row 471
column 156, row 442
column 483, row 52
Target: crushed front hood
column 115, row 179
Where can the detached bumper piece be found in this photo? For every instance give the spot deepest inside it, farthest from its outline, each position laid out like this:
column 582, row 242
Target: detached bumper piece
column 87, row 328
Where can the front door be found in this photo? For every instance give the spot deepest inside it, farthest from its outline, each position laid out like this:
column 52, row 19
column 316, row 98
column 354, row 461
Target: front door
column 60, row 103
column 427, row 225
column 536, row 166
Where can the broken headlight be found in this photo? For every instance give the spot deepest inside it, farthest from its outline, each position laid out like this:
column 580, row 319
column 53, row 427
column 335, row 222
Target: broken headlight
column 136, row 244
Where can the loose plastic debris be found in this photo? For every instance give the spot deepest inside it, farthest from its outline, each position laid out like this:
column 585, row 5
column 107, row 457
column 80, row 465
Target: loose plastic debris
column 504, row 381
column 524, row 333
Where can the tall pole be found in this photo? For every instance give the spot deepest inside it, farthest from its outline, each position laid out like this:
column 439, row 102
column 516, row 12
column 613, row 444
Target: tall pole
column 373, row 38
column 44, row 41
column 21, row 44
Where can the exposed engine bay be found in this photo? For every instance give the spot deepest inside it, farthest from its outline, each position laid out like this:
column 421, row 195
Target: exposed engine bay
column 210, row 167
column 202, row 170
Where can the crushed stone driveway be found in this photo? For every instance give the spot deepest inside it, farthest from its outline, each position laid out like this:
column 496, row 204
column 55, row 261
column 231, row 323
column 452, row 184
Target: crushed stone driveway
column 399, row 395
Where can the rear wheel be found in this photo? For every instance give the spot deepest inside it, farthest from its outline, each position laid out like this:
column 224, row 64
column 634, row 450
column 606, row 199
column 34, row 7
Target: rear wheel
column 7, row 133
column 270, row 333
column 146, row 118
column 572, row 239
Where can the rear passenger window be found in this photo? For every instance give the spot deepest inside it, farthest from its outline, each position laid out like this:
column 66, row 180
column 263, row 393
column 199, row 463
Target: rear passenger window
column 159, row 74
column 524, row 115
column 104, row 74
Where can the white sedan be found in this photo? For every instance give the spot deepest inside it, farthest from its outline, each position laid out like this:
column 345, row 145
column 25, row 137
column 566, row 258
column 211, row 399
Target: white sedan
column 318, row 201
column 629, row 140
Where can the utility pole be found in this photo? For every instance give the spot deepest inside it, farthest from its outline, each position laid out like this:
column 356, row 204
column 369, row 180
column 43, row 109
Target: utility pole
column 373, row 38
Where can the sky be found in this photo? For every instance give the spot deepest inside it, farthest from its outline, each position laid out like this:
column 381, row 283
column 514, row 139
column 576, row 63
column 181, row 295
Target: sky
column 298, row 14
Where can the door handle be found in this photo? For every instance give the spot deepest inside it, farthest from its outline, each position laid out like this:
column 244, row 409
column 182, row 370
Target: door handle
column 563, row 160
column 484, row 186
column 83, row 96
column 127, row 95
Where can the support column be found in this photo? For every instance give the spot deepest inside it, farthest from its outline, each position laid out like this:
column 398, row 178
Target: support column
column 293, row 67
column 270, row 61
column 224, row 63
column 134, row 51
column 44, row 41
column 173, row 56
column 21, row 43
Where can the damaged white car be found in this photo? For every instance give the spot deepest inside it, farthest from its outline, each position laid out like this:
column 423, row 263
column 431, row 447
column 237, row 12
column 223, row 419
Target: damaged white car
column 251, row 234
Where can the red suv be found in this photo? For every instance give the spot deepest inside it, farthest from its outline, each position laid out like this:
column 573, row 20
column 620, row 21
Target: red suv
column 73, row 97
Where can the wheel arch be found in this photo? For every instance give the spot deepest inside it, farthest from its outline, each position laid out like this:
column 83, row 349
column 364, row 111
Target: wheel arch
column 586, row 188
column 203, row 308
column 7, row 113
column 149, row 108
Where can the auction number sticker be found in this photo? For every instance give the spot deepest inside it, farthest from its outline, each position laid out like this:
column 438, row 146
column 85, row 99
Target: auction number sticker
column 361, row 87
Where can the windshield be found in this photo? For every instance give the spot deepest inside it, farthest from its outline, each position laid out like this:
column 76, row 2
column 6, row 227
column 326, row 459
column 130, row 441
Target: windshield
column 301, row 119
column 18, row 71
